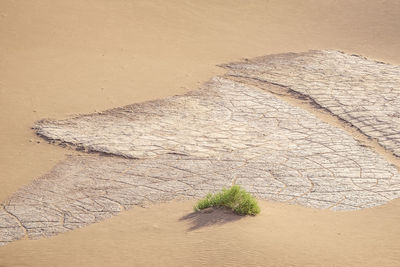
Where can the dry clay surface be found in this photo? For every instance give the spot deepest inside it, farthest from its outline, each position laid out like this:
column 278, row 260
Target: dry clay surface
column 186, row 146
column 362, row 92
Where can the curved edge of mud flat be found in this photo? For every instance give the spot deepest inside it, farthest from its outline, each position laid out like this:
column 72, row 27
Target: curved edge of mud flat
column 251, row 127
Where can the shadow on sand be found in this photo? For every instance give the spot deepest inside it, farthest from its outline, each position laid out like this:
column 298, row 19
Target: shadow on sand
column 210, row 217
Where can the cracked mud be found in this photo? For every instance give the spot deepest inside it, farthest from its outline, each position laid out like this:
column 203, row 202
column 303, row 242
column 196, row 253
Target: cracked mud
column 362, row 92
column 226, row 132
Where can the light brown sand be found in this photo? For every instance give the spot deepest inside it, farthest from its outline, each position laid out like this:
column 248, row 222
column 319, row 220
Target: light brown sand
column 281, row 235
column 60, row 58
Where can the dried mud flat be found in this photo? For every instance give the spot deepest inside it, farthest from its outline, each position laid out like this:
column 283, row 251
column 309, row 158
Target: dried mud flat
column 235, row 129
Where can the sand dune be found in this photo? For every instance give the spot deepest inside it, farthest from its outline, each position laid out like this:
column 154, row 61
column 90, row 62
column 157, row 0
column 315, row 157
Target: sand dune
column 60, row 58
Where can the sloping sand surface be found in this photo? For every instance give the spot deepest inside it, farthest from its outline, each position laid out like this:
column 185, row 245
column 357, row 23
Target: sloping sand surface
column 64, row 57
column 282, row 235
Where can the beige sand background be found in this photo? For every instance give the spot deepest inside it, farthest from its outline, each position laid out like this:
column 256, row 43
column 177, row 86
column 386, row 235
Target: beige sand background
column 59, row 58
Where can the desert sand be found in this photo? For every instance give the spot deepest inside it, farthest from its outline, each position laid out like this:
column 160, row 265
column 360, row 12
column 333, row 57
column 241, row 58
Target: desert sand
column 71, row 57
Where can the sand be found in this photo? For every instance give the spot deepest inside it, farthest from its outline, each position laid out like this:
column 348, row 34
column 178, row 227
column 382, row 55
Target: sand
column 281, row 235
column 69, row 57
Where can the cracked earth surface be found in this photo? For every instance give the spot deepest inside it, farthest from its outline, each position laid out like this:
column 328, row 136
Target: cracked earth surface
column 362, row 92
column 226, row 132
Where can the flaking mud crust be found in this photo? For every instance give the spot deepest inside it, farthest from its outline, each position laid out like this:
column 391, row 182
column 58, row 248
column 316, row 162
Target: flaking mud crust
column 361, row 92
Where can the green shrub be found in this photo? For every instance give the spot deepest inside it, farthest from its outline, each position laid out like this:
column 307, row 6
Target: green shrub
column 235, row 198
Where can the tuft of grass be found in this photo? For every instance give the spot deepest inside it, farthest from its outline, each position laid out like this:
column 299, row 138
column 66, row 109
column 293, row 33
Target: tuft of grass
column 235, row 198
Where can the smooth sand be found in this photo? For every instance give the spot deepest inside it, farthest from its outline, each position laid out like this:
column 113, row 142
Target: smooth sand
column 60, row 58
column 282, row 235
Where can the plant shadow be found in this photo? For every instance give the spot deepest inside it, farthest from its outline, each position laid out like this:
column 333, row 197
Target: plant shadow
column 209, row 217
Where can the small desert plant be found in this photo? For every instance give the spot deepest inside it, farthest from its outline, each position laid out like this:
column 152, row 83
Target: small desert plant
column 235, row 198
